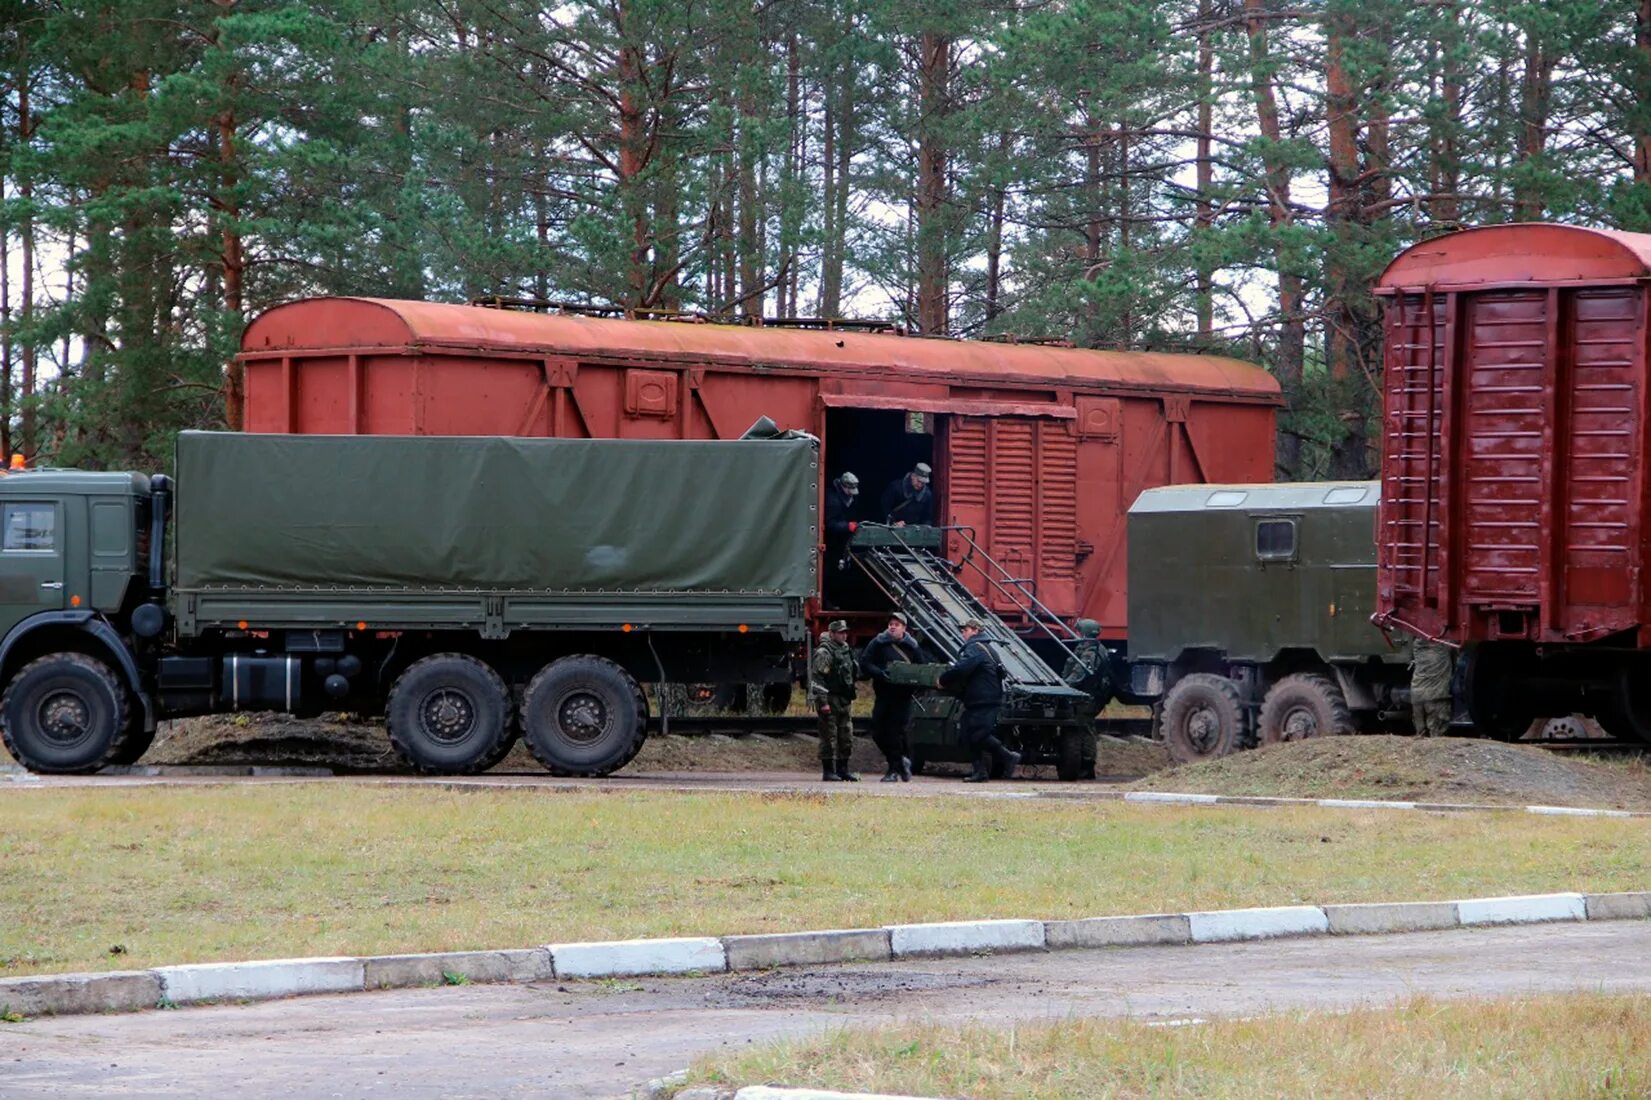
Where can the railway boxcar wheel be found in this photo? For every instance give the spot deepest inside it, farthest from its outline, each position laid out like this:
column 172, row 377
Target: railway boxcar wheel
column 449, row 714
column 1302, row 706
column 1203, row 718
column 585, row 716
column 65, row 713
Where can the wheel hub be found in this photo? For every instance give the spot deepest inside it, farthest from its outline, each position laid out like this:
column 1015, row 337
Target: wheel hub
column 1299, row 724
column 448, row 715
column 583, row 717
column 1203, row 728
column 64, row 717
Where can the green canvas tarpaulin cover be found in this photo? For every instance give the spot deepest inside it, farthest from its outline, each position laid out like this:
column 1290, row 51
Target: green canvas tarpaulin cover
column 539, row 515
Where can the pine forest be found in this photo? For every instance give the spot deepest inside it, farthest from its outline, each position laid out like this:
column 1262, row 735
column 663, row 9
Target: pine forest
column 1219, row 175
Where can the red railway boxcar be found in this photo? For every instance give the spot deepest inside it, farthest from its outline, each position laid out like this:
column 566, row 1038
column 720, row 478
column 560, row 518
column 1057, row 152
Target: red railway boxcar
column 1040, row 450
column 1513, row 483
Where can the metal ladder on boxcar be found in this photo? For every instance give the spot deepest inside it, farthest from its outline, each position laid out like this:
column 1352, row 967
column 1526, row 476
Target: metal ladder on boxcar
column 909, row 567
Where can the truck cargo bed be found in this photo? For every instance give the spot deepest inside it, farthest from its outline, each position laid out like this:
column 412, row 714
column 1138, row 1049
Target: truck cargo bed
column 494, row 534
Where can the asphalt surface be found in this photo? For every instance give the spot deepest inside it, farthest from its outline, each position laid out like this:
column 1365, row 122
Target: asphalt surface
column 604, row 1039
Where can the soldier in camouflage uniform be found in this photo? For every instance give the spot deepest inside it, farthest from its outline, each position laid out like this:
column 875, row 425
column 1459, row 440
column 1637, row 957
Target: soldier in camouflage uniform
column 1430, row 672
column 1089, row 669
column 831, row 689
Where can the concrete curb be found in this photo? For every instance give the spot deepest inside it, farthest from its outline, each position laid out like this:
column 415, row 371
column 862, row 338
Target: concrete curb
column 965, row 937
column 66, row 994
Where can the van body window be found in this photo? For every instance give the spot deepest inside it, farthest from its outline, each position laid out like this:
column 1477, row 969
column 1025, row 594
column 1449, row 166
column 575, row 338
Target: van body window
column 1275, row 540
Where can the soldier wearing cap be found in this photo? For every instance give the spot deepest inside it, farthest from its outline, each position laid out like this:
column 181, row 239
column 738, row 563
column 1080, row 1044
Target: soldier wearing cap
column 831, row 689
column 908, row 499
column 977, row 678
column 891, row 711
column 1089, row 669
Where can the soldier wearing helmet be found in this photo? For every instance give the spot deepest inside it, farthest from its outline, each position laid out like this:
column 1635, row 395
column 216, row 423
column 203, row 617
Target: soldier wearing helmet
column 908, row 499
column 831, row 689
column 1089, row 669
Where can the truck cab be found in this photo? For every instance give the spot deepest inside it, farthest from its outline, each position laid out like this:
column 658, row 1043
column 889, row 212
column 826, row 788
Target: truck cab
column 74, row 566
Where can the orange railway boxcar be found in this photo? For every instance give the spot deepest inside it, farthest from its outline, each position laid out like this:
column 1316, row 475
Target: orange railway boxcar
column 1040, row 450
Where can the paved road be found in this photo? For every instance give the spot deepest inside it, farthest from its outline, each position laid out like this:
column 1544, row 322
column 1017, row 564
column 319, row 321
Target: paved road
column 593, row 1039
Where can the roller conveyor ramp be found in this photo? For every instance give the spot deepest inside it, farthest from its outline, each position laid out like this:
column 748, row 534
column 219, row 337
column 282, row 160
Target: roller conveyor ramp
column 909, row 565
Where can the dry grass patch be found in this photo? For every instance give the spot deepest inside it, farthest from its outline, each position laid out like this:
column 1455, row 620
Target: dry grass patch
column 337, row 867
column 1561, row 1046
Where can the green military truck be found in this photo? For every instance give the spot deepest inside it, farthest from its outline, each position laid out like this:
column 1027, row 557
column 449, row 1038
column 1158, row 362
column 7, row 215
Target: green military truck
column 1249, row 615
column 471, row 589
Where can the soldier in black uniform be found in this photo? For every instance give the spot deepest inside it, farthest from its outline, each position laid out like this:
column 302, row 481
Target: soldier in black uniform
column 891, row 711
column 908, row 501
column 831, row 689
column 840, row 498
column 977, row 678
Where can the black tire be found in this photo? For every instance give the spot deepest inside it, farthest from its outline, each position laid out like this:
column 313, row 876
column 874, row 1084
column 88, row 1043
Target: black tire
column 1069, row 766
column 776, row 698
column 584, row 716
column 1302, row 706
column 449, row 714
column 1203, row 718
column 65, row 713
column 138, row 740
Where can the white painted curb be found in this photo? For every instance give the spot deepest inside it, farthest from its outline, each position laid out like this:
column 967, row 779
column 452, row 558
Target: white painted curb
column 1575, row 811
column 1362, row 804
column 1529, row 909
column 768, row 1092
column 1256, row 924
column 630, row 958
column 253, row 981
column 965, row 937
column 1170, row 796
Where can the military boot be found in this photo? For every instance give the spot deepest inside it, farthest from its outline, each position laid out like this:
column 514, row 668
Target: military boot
column 983, row 768
column 1005, row 758
column 828, row 774
column 905, row 769
column 846, row 776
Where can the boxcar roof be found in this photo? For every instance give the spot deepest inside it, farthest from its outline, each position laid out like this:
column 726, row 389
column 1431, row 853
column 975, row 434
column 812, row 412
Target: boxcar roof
column 321, row 324
column 1298, row 496
column 1525, row 252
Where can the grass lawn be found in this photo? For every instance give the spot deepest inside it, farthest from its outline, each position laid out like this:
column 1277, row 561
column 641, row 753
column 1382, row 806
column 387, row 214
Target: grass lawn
column 170, row 875
column 1559, row 1046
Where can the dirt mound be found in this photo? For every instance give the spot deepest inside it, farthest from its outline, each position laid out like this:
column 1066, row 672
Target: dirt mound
column 360, row 745
column 1408, row 769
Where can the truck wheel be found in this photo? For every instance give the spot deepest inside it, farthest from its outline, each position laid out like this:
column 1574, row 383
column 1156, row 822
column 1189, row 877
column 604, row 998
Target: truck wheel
column 1302, row 706
column 136, row 744
column 584, row 716
column 65, row 713
column 449, row 714
column 1203, row 718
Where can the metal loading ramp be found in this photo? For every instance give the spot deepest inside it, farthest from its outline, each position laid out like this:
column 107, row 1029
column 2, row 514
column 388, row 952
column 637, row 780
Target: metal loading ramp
column 908, row 565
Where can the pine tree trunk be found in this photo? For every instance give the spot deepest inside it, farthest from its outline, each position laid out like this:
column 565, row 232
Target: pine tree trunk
column 1445, row 168
column 1292, row 332
column 1642, row 46
column 1535, row 95
column 1204, row 218
column 632, row 147
column 994, row 233
column 933, row 82
column 23, row 396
